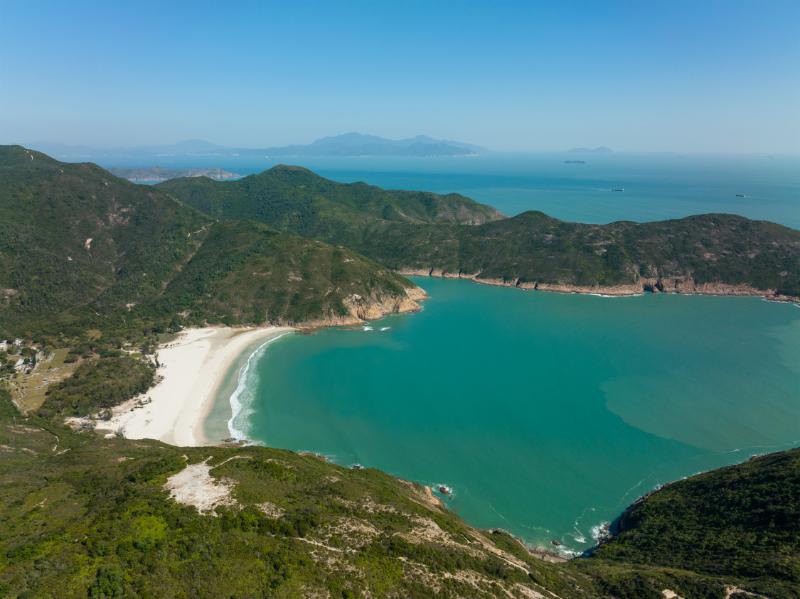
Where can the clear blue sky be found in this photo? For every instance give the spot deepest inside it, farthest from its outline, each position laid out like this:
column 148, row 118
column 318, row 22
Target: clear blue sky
column 705, row 76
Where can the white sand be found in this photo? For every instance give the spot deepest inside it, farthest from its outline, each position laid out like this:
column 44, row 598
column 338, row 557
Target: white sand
column 193, row 368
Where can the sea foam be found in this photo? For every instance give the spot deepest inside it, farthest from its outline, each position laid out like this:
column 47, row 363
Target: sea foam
column 243, row 396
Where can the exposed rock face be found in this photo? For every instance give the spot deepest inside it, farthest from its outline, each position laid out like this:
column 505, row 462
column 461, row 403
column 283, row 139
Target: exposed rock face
column 362, row 308
column 689, row 285
column 370, row 308
column 195, row 486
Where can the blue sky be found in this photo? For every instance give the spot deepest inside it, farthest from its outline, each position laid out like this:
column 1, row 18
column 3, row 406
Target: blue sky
column 697, row 76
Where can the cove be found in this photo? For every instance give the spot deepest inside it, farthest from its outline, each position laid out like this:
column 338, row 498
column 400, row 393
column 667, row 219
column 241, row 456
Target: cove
column 547, row 414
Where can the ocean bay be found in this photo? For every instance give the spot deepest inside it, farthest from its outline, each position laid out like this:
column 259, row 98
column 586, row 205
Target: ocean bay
column 546, row 413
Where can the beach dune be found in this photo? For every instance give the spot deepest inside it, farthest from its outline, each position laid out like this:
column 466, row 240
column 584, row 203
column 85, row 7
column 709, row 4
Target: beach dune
column 192, row 368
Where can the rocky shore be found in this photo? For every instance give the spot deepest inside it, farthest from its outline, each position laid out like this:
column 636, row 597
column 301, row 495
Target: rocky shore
column 687, row 286
column 361, row 309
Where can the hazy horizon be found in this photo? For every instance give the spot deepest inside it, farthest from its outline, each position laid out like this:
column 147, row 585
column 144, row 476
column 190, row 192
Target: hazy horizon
column 720, row 77
column 41, row 143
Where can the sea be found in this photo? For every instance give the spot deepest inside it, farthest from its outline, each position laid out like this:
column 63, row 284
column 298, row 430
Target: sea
column 656, row 186
column 545, row 414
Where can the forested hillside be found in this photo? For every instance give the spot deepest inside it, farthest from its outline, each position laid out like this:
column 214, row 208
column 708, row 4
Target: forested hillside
column 452, row 236
column 80, row 248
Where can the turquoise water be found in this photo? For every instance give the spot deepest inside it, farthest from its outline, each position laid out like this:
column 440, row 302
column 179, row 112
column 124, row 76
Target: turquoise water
column 657, row 186
column 546, row 413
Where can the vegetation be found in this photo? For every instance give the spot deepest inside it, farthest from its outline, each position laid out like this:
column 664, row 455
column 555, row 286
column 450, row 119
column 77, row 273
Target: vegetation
column 99, row 384
column 530, row 248
column 742, row 521
column 245, row 272
column 82, row 250
column 294, row 199
column 90, row 263
column 82, row 516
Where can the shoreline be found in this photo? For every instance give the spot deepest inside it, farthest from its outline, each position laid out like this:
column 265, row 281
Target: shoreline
column 194, row 368
column 232, row 383
column 667, row 286
column 192, row 371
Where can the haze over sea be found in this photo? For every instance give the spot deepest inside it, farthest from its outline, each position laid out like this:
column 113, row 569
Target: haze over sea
column 548, row 414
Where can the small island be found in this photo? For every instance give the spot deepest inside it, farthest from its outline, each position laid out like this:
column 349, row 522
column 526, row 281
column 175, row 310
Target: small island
column 157, row 174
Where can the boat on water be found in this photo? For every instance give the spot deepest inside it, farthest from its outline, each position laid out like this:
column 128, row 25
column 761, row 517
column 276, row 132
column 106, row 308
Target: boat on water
column 740, row 195
column 617, row 189
column 444, row 489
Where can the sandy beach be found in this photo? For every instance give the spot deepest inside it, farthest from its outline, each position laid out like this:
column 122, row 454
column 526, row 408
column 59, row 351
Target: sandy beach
column 192, row 368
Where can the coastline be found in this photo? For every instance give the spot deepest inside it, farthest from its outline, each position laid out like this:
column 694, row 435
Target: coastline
column 195, row 367
column 174, row 411
column 675, row 286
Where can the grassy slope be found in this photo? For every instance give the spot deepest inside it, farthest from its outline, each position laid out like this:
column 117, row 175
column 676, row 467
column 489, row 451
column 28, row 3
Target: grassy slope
column 80, row 248
column 82, row 516
column 531, row 247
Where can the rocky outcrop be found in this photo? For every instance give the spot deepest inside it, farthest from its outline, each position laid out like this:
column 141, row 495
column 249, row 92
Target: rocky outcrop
column 686, row 285
column 361, row 309
column 690, row 286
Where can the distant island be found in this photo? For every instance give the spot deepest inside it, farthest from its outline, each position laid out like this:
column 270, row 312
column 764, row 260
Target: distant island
column 597, row 150
column 157, row 174
column 359, row 144
column 347, row 144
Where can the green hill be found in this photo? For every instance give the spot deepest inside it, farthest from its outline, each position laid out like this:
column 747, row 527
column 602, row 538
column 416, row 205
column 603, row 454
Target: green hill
column 83, row 517
column 294, row 199
column 449, row 234
column 534, row 250
column 741, row 523
column 81, row 248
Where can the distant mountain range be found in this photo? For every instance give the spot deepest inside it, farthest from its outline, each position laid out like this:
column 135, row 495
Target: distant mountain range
column 347, row 144
column 358, row 144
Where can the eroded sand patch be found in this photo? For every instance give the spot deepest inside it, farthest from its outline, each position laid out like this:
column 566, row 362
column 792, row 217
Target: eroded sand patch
column 195, row 486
